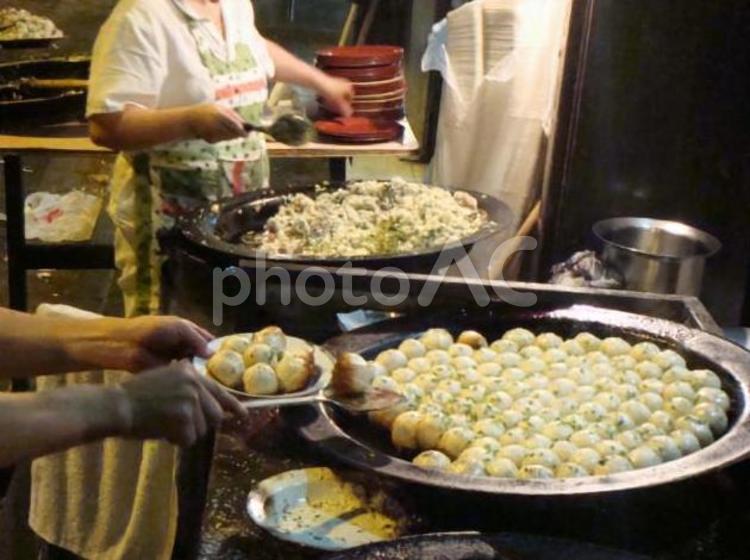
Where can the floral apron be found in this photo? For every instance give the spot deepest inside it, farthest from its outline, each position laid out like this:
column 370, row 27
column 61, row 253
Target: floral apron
column 175, row 178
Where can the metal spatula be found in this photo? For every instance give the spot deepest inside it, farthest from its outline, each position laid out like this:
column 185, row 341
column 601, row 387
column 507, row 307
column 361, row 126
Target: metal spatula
column 290, row 128
column 375, row 399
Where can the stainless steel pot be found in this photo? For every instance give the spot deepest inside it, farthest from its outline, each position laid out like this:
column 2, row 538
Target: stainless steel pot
column 656, row 255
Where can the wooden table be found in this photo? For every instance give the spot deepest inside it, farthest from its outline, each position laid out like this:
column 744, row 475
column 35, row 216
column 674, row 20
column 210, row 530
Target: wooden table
column 73, row 139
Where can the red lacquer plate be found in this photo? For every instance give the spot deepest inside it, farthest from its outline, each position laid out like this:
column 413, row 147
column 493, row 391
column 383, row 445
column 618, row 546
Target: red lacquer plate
column 390, row 96
column 366, row 74
column 395, row 104
column 359, row 129
column 360, row 56
column 389, row 103
column 375, row 88
column 381, row 114
column 325, row 138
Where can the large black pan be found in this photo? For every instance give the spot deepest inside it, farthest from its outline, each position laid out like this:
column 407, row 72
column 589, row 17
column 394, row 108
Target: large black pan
column 41, row 43
column 46, row 68
column 215, row 231
column 22, row 105
column 356, row 442
column 474, row 546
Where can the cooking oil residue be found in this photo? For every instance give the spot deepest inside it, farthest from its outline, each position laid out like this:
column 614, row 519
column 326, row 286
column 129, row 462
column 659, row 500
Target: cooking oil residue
column 316, row 507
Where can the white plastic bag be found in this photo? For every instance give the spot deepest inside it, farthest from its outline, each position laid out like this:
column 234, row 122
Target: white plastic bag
column 55, row 218
column 500, row 61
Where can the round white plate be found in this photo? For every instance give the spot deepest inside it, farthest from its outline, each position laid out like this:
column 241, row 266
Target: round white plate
column 315, row 508
column 296, row 345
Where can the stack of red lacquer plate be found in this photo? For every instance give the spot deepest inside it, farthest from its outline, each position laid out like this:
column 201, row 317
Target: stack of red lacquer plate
column 379, row 91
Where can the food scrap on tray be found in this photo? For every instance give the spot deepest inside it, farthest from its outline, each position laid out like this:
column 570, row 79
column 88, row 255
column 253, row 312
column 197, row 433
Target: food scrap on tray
column 317, row 507
column 537, row 406
column 369, row 218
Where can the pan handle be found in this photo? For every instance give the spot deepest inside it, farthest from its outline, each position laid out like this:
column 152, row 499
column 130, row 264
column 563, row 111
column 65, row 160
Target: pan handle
column 67, row 83
column 281, row 402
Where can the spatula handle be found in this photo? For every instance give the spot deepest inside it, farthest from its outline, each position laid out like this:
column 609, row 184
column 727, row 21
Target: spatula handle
column 279, row 402
column 67, row 83
column 250, row 127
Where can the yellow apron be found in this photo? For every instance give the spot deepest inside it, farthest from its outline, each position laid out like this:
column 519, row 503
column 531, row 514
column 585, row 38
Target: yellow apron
column 150, row 189
column 117, row 499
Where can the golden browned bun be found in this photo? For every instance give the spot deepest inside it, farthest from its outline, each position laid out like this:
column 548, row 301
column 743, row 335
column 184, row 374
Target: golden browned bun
column 260, row 379
column 273, row 337
column 296, row 371
column 473, row 339
column 236, row 343
column 227, row 367
column 352, row 375
column 259, row 353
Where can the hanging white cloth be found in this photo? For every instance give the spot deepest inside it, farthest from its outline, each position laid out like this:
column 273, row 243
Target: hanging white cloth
column 500, row 61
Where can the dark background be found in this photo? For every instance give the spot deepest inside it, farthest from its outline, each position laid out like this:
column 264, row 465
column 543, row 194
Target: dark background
column 317, row 21
column 663, row 114
column 662, row 131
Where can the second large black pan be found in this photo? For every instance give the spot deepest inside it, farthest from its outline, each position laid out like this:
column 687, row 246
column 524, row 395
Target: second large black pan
column 215, row 231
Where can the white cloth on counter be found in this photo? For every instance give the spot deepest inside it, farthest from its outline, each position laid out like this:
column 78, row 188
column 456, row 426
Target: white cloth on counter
column 146, row 55
column 110, row 500
column 500, row 61
column 54, row 218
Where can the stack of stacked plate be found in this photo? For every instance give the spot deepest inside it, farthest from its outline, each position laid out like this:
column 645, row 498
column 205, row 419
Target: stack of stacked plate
column 379, row 86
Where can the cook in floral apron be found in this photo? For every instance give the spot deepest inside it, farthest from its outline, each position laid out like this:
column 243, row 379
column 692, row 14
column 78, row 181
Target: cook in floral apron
column 172, row 83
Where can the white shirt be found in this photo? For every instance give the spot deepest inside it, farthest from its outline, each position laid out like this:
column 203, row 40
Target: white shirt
column 146, row 55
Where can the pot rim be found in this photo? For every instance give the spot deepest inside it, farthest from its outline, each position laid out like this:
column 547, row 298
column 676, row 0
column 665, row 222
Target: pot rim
column 710, row 243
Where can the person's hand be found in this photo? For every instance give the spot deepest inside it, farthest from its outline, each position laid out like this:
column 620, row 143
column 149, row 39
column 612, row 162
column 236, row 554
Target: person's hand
column 128, row 344
column 337, row 94
column 213, row 123
column 174, row 403
column 147, row 342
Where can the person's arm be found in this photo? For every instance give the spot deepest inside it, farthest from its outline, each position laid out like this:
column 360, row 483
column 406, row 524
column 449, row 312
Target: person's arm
column 337, row 92
column 138, row 128
column 32, row 345
column 35, row 424
column 129, row 67
column 172, row 403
